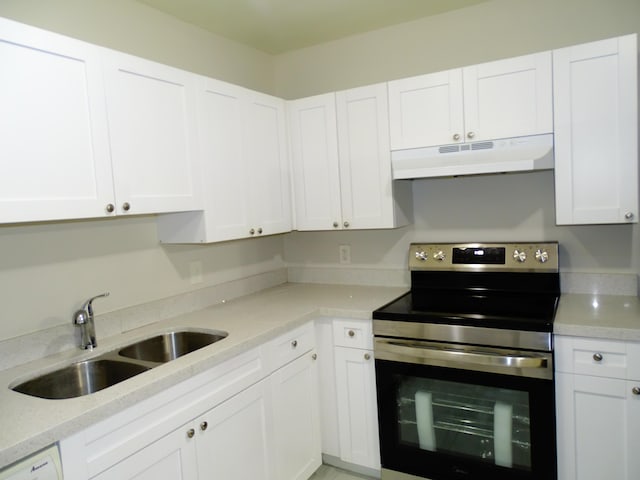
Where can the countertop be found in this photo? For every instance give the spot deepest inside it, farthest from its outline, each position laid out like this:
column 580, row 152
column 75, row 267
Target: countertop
column 29, row 424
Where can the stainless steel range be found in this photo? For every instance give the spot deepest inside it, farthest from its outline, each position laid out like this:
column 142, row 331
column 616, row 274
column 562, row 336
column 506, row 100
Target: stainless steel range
column 464, row 364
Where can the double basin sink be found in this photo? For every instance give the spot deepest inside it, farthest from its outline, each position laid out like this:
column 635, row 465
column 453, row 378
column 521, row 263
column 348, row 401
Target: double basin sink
column 108, row 369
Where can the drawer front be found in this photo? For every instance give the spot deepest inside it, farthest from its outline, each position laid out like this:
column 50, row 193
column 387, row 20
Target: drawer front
column 586, row 356
column 353, row 333
column 291, row 345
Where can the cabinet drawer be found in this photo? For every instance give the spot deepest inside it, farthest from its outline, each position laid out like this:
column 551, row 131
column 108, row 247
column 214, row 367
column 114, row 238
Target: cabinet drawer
column 586, row 356
column 291, row 345
column 353, row 333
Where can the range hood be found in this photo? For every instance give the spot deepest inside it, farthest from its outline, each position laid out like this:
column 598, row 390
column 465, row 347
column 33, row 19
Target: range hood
column 494, row 156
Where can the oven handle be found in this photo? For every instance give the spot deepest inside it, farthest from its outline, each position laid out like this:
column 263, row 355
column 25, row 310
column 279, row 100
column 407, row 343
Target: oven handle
column 469, row 355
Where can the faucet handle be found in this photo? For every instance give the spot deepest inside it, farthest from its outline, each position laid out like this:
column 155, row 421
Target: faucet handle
column 88, row 304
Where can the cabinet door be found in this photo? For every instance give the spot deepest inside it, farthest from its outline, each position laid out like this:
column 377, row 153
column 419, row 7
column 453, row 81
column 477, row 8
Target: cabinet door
column 365, row 157
column 597, row 428
column 508, row 98
column 170, row 458
column 296, row 419
column 596, row 132
column 152, row 128
column 234, row 438
column 357, row 407
column 53, row 133
column 426, row 110
column 266, row 151
column 314, row 147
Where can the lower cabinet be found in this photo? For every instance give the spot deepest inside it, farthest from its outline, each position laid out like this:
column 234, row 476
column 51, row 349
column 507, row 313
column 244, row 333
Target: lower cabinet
column 598, row 409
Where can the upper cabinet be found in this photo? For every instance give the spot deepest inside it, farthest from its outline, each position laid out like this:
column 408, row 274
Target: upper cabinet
column 596, row 132
column 151, row 112
column 501, row 99
column 245, row 174
column 341, row 162
column 54, row 144
column 71, row 151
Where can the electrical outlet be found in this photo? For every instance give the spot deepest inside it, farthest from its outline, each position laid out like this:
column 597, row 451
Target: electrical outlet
column 345, row 254
column 195, row 272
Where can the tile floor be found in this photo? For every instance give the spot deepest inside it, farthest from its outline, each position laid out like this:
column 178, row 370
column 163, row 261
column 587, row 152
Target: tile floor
column 326, row 472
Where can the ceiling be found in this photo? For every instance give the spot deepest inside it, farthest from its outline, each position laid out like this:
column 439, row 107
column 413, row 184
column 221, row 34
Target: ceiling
column 278, row 26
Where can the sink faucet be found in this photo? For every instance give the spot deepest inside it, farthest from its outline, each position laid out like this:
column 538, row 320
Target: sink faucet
column 84, row 319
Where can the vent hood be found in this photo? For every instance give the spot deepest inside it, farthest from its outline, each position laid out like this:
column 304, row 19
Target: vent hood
column 494, row 156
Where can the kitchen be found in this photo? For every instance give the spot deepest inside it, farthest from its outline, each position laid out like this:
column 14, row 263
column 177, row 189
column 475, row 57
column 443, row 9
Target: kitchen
column 61, row 264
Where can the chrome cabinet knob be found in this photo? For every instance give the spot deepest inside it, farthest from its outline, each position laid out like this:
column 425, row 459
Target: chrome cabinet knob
column 294, row 344
column 110, row 208
column 126, row 206
column 204, row 426
column 259, row 230
column 351, row 333
column 471, row 135
column 456, row 136
column 191, row 432
column 336, row 224
column 635, row 390
column 314, row 356
column 252, row 231
column 597, row 357
column 367, row 356
column 628, row 216
column 346, row 224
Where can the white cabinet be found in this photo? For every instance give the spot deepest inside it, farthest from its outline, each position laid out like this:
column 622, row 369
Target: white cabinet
column 341, row 162
column 245, row 170
column 296, row 419
column 54, row 144
column 598, row 409
column 596, row 132
column 501, row 99
column 152, row 128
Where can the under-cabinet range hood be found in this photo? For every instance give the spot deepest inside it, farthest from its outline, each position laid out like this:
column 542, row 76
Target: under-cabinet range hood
column 492, row 156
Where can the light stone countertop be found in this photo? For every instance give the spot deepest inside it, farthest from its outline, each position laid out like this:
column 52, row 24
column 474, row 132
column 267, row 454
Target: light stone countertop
column 29, row 424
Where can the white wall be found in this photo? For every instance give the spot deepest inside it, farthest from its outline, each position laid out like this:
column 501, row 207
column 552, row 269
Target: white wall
column 498, row 207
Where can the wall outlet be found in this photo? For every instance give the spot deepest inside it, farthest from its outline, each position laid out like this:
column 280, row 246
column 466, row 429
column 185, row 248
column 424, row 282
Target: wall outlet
column 195, row 272
column 345, row 254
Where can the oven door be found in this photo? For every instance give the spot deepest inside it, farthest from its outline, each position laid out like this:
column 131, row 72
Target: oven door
column 460, row 412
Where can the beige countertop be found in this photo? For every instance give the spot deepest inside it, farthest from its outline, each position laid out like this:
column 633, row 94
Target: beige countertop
column 29, row 424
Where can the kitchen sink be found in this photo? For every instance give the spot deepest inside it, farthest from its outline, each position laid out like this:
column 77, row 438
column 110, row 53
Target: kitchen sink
column 169, row 346
column 110, row 368
column 80, row 379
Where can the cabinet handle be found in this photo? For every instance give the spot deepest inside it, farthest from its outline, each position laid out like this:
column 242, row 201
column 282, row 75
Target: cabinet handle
column 191, row 432
column 110, row 208
column 635, row 390
column 351, row 333
column 126, row 206
column 597, row 357
column 260, row 230
column 294, row 344
column 252, row 231
column 203, row 426
column 456, row 136
column 336, row 224
column 367, row 356
column 346, row 224
column 471, row 135
column 314, row 356
column 628, row 216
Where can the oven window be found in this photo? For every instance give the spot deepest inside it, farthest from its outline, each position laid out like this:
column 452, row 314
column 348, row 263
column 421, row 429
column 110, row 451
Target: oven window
column 483, row 423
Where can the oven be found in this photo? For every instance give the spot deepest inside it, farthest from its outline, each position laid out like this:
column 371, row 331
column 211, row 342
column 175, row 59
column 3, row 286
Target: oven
column 464, row 364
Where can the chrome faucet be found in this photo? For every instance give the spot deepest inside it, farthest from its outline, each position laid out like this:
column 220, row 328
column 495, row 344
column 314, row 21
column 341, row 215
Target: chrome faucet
column 84, row 319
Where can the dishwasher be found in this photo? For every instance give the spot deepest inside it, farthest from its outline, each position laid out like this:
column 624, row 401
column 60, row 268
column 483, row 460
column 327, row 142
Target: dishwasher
column 43, row 465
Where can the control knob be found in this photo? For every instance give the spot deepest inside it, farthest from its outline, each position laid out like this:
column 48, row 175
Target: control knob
column 519, row 255
column 542, row 256
column 422, row 256
column 439, row 256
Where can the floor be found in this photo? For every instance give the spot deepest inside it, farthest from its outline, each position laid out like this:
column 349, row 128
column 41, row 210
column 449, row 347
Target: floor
column 326, row 472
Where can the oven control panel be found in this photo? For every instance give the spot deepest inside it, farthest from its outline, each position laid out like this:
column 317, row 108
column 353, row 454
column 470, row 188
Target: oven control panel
column 542, row 256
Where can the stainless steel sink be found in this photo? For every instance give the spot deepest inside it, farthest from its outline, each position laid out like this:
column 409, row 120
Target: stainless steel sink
column 171, row 345
column 80, row 379
column 89, row 376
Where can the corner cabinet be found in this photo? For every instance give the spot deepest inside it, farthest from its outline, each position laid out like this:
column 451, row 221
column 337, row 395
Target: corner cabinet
column 501, row 99
column 596, row 132
column 245, row 169
column 341, row 162
column 598, row 408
